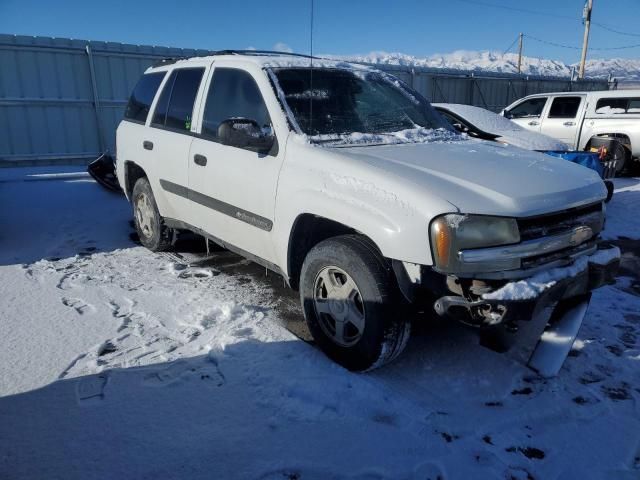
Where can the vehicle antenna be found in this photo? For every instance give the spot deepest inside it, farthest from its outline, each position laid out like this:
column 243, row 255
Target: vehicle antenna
column 311, row 71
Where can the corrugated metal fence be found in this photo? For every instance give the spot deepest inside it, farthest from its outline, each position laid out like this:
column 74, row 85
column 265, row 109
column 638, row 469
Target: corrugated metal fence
column 61, row 99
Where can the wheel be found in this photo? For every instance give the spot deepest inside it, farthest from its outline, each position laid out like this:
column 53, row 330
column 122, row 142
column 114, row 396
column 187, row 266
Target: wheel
column 352, row 304
column 149, row 224
column 619, row 156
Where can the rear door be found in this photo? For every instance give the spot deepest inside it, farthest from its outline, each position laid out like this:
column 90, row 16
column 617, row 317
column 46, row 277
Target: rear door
column 562, row 119
column 232, row 189
column 169, row 139
column 528, row 113
column 129, row 147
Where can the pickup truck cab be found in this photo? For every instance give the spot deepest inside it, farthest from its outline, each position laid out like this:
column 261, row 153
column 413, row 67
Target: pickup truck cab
column 580, row 118
column 347, row 183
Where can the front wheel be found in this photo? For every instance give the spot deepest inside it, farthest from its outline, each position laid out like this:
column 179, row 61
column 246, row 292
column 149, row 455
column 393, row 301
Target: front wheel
column 351, row 303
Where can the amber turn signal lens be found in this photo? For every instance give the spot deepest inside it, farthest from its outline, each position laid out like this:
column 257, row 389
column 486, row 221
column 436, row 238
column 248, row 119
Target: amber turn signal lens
column 443, row 242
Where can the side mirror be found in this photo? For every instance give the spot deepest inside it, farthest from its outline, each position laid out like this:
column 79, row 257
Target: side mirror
column 506, row 114
column 245, row 133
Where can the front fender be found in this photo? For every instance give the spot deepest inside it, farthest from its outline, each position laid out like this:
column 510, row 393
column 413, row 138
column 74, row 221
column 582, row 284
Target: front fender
column 399, row 231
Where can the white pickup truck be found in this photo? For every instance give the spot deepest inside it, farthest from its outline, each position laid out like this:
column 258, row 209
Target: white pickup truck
column 583, row 119
column 351, row 186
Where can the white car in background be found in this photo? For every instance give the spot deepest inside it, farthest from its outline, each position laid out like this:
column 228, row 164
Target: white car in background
column 486, row 125
column 584, row 120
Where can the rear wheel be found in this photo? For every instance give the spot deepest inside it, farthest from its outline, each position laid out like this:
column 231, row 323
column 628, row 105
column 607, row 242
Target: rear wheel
column 619, row 156
column 152, row 231
column 351, row 303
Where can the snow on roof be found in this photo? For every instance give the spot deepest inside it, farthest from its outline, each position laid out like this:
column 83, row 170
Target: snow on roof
column 283, row 60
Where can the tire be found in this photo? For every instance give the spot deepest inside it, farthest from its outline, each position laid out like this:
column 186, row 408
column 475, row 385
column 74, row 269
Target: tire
column 619, row 154
column 352, row 303
column 152, row 231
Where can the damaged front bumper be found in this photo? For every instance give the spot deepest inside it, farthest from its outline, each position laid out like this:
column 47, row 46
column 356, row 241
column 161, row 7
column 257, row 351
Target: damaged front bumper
column 535, row 319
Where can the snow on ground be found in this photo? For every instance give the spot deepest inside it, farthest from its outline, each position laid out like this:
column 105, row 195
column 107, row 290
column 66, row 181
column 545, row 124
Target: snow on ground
column 116, row 362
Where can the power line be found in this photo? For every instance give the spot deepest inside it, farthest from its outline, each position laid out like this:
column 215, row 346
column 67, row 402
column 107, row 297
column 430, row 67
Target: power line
column 624, row 47
column 572, row 47
column 606, row 27
column 516, row 9
column 552, row 43
column 511, row 46
column 545, row 14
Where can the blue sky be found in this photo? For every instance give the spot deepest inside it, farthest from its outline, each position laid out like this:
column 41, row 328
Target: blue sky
column 341, row 27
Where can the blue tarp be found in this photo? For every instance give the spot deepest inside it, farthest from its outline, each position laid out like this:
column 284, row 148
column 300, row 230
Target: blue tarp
column 589, row 160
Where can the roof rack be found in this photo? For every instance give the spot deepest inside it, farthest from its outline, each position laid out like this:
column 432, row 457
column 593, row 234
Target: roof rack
column 274, row 53
column 167, row 61
column 263, row 52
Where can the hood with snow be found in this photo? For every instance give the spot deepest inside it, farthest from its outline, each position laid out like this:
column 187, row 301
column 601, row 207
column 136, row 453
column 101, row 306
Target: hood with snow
column 480, row 177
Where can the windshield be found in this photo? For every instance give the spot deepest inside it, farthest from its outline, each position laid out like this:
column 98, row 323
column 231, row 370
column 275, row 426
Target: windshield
column 358, row 106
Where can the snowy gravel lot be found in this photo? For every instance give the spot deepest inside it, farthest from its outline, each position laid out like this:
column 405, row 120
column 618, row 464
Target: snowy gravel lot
column 116, row 362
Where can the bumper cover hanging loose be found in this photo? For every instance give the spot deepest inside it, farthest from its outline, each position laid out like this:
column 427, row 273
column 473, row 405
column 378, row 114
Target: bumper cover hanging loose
column 540, row 331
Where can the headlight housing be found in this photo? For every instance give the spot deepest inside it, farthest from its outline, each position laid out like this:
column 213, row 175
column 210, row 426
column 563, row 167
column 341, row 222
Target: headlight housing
column 453, row 232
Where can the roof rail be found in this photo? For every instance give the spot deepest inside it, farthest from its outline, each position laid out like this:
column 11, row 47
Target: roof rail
column 170, row 60
column 167, row 61
column 262, row 52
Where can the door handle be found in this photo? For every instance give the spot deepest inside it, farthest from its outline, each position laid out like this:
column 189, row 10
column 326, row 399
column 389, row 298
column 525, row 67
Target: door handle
column 200, row 159
column 147, row 145
column 533, row 123
column 569, row 124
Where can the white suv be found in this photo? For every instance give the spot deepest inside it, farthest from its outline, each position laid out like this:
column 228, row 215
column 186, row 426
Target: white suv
column 352, row 187
column 584, row 119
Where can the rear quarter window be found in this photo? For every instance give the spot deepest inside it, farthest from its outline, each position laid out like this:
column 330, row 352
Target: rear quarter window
column 142, row 96
column 618, row 106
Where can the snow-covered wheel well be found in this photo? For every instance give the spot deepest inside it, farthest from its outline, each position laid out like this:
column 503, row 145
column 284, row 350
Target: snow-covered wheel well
column 132, row 172
column 309, row 230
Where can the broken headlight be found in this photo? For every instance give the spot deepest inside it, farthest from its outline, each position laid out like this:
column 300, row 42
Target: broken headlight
column 454, row 232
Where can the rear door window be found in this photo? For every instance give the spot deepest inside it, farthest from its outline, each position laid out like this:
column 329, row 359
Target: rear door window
column 174, row 108
column 528, row 109
column 565, row 107
column 142, row 97
column 160, row 112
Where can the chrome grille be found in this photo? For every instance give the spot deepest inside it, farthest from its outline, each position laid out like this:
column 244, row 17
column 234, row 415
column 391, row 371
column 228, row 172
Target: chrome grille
column 540, row 226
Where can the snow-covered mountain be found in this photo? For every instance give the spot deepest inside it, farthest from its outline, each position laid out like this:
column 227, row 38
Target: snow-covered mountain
column 486, row 61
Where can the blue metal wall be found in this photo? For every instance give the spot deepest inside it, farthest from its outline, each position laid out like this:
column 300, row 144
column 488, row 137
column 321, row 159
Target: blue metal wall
column 61, row 99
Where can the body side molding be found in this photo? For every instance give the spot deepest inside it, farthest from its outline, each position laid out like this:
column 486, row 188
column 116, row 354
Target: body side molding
column 218, row 205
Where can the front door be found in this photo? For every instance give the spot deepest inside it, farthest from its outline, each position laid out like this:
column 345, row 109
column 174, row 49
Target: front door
column 528, row 113
column 233, row 190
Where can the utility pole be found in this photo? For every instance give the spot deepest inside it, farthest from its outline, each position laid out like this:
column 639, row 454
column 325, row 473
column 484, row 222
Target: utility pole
column 520, row 53
column 585, row 41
